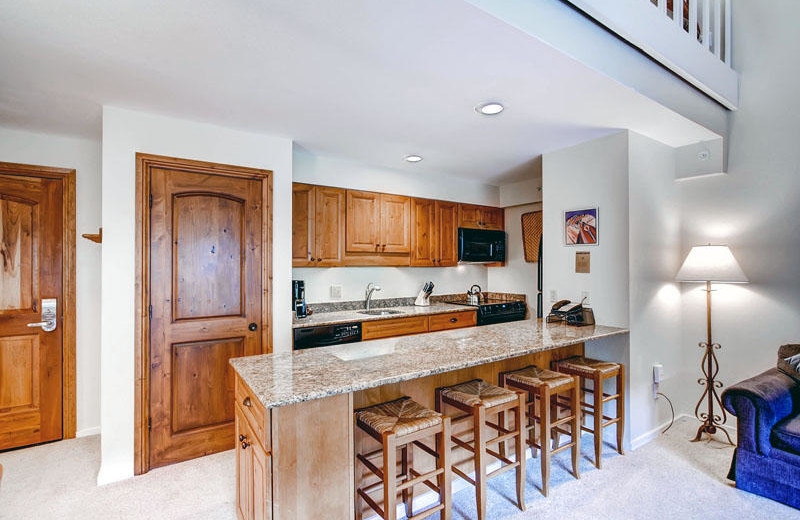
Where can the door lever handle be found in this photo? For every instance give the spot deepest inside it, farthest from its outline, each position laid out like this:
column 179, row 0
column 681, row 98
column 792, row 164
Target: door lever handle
column 47, row 326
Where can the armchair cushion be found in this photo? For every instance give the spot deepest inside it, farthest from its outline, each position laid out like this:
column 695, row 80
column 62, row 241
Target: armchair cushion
column 786, row 434
column 789, row 361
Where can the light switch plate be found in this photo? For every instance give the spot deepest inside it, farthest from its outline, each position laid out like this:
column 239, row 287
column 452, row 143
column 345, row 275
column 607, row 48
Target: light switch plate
column 336, row 292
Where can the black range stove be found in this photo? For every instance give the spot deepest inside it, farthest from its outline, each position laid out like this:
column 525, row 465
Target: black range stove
column 496, row 310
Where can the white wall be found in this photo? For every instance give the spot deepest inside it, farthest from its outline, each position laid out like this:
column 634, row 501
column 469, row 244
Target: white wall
column 125, row 133
column 755, row 209
column 396, row 282
column 592, row 174
column 655, row 299
column 517, row 276
column 631, row 179
column 84, row 156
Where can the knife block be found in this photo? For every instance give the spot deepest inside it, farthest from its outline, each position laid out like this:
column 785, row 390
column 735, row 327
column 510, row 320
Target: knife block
column 422, row 300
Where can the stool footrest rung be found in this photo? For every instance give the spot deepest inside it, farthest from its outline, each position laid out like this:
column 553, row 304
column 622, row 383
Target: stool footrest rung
column 370, row 466
column 562, row 421
column 562, row 448
column 501, row 470
column 426, row 482
column 421, row 445
column 418, row 480
column 428, row 512
column 463, row 444
column 371, row 503
column 502, row 438
column 499, row 457
column 463, row 475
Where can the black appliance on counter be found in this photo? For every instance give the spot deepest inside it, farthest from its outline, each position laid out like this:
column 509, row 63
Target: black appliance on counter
column 298, row 292
column 324, row 335
column 496, row 310
column 481, row 245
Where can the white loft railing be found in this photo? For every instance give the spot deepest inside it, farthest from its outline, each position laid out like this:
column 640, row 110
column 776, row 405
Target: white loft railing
column 693, row 38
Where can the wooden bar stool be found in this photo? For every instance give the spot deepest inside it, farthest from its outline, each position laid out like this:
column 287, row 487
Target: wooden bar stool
column 546, row 386
column 598, row 371
column 478, row 399
column 400, row 424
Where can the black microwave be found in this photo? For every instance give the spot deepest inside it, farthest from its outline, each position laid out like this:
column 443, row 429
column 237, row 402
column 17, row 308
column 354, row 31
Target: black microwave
column 481, row 245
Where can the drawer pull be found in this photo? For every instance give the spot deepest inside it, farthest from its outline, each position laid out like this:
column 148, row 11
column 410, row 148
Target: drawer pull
column 453, row 320
column 247, row 402
column 242, row 437
column 245, row 444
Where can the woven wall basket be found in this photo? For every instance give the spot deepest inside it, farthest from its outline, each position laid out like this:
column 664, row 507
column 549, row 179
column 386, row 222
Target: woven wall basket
column 531, row 235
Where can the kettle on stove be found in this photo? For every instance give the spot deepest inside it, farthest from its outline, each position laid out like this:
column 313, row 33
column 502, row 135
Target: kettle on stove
column 474, row 295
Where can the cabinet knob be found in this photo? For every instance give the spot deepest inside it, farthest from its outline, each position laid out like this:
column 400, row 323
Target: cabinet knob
column 242, row 437
column 453, row 320
column 247, row 402
column 245, row 444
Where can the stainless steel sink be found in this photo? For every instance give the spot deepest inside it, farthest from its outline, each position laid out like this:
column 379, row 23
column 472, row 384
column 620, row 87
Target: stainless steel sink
column 380, row 312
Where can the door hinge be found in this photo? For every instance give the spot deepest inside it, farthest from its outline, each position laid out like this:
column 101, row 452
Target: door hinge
column 151, row 200
column 149, row 312
column 149, row 424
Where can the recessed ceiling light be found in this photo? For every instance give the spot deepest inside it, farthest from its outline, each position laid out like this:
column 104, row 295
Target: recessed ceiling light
column 413, row 158
column 489, row 109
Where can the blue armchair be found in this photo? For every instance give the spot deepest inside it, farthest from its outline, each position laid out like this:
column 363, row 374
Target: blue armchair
column 767, row 457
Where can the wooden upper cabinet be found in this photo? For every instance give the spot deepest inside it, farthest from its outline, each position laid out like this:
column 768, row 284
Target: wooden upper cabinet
column 329, row 226
column 480, row 217
column 423, row 233
column 493, row 218
column 363, row 233
column 395, row 224
column 303, row 220
column 446, row 233
column 318, row 221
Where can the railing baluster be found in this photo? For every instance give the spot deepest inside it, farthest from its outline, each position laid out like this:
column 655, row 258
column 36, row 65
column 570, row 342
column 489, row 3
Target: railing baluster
column 677, row 13
column 718, row 29
column 707, row 24
column 728, row 29
column 662, row 6
column 693, row 19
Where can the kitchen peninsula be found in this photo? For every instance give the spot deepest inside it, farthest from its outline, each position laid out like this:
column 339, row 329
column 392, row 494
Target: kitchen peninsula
column 294, row 411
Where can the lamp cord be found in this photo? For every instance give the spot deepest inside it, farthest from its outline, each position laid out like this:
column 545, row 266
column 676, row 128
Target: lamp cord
column 672, row 409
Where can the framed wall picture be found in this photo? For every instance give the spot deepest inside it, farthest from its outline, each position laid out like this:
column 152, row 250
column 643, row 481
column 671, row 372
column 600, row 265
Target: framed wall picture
column 580, row 227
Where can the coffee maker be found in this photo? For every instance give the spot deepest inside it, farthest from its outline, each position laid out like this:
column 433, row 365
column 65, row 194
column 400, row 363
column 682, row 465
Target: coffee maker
column 299, row 298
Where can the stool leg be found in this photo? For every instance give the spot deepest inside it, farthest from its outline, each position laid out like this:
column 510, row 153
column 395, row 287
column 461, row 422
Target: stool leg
column 544, row 438
column 554, row 416
column 621, row 408
column 445, row 480
column 359, row 473
column 576, row 426
column 479, row 414
column 389, row 477
column 520, row 420
column 598, row 420
column 501, row 418
column 407, row 452
column 532, row 428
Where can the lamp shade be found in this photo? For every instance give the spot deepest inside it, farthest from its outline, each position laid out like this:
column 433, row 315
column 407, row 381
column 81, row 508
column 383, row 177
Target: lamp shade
column 711, row 264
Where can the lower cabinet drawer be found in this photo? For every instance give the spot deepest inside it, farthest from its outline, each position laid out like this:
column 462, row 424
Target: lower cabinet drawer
column 394, row 327
column 254, row 411
column 453, row 320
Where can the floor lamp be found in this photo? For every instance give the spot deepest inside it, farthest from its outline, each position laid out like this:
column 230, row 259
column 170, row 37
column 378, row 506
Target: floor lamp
column 709, row 264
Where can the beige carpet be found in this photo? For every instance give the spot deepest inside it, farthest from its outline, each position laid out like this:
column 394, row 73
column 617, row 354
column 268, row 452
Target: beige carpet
column 668, row 478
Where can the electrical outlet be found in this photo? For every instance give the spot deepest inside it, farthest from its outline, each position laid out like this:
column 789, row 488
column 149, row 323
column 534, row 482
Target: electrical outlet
column 553, row 296
column 336, row 292
column 658, row 376
column 586, row 298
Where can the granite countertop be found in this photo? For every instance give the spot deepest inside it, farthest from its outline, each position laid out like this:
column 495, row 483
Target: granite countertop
column 329, row 318
column 287, row 378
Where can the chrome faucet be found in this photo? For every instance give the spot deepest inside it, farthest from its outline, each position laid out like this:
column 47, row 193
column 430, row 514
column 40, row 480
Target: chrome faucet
column 371, row 288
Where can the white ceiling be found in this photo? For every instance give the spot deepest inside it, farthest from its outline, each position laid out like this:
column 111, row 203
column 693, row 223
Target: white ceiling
column 364, row 79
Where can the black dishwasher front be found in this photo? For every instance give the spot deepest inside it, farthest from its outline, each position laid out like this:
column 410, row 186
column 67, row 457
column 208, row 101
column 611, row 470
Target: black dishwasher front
column 324, row 335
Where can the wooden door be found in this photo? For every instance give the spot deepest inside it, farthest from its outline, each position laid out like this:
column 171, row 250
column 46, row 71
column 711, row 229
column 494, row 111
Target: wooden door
column 446, row 233
column 206, row 303
column 395, row 224
column 493, row 218
column 31, row 248
column 470, row 216
column 363, row 233
column 303, row 220
column 330, row 225
column 423, row 233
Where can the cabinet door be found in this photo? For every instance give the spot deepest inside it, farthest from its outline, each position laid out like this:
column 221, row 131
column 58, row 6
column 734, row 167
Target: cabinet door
column 261, row 464
column 363, row 233
column 329, row 226
column 423, row 233
column 447, row 233
column 302, row 225
column 493, row 218
column 244, row 468
column 470, row 216
column 395, row 224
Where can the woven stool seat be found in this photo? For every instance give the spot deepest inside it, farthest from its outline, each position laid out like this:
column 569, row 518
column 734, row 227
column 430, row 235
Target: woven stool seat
column 535, row 376
column 586, row 366
column 477, row 392
column 401, row 417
